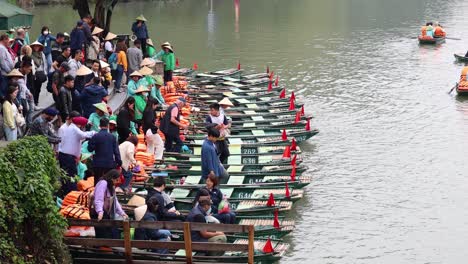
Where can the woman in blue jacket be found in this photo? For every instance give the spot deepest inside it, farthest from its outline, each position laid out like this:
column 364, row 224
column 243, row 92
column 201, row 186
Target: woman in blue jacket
column 140, row 30
column 45, row 39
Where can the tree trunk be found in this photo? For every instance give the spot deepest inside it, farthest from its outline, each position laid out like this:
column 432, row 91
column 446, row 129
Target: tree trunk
column 99, row 14
column 82, row 7
column 109, row 15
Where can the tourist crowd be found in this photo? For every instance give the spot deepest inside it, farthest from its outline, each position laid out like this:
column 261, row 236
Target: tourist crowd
column 78, row 70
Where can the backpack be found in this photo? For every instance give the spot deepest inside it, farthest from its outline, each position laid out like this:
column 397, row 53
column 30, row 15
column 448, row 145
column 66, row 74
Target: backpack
column 49, row 81
column 113, row 61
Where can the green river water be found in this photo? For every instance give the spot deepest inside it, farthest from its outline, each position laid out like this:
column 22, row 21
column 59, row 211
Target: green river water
column 389, row 165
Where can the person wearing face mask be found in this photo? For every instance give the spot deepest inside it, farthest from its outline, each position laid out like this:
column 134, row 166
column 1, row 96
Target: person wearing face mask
column 41, row 126
column 45, row 39
column 140, row 103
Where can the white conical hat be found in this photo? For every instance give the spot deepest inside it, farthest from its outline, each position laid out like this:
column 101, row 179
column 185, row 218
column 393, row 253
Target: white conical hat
column 136, row 73
column 97, row 30
column 83, row 71
column 146, row 71
column 225, row 101
column 147, row 62
column 110, row 36
column 15, row 73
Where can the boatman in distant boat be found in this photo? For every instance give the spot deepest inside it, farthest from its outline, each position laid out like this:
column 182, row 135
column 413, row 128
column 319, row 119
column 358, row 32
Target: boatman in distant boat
column 211, row 165
column 463, row 82
column 219, row 122
column 429, row 30
column 439, row 32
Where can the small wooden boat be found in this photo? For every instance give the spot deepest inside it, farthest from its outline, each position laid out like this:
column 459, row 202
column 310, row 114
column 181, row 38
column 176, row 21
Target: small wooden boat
column 266, row 160
column 261, row 126
column 255, row 76
column 430, row 41
column 251, row 142
column 236, row 150
column 460, row 57
column 218, row 74
column 247, row 207
column 233, row 170
column 183, row 71
column 237, row 194
column 259, row 181
column 274, row 134
column 462, row 90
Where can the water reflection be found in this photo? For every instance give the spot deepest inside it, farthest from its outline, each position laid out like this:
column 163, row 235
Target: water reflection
column 211, row 26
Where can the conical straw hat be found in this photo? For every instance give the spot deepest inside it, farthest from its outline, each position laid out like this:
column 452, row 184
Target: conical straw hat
column 97, row 30
column 225, row 101
column 136, row 73
column 15, row 73
column 141, row 18
column 147, row 62
column 146, row 71
column 150, row 42
column 110, row 36
column 102, row 107
column 141, row 89
column 104, row 64
column 83, row 71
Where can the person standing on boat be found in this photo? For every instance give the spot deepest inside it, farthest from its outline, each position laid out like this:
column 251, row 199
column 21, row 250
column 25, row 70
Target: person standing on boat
column 220, row 123
column 225, row 104
column 127, row 152
column 133, row 83
column 211, row 165
column 140, row 30
column 134, row 56
column 167, row 56
column 167, row 211
column 170, row 126
column 107, row 154
column 150, row 130
column 197, row 215
column 216, row 196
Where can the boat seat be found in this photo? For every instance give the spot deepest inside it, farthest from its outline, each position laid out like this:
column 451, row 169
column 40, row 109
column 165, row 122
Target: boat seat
column 179, row 193
column 195, row 159
column 197, row 150
column 204, row 95
column 242, row 101
column 258, row 132
column 235, row 160
column 252, row 105
column 195, row 168
column 192, row 179
column 234, row 84
column 199, row 141
column 249, row 112
column 265, row 159
column 236, row 180
column 227, row 191
column 181, row 252
column 249, row 125
column 257, row 118
column 235, row 141
column 235, row 168
column 234, row 149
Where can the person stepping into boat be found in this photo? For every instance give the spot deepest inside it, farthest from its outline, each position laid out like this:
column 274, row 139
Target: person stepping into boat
column 219, row 122
column 168, row 57
column 166, row 212
column 133, row 83
column 211, row 165
column 170, row 126
column 216, row 196
column 197, row 215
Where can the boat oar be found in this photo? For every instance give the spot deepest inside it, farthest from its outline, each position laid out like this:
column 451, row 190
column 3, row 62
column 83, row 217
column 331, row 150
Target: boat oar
column 453, row 88
column 453, row 38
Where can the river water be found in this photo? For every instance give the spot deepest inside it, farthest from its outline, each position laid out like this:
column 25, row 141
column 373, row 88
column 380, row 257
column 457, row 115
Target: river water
column 389, row 165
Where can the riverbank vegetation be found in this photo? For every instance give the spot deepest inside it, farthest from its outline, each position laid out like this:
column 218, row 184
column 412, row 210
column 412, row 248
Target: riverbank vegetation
column 31, row 229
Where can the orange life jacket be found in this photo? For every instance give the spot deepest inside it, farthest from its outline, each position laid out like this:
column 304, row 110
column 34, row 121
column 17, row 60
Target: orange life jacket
column 423, row 31
column 76, row 211
column 439, row 32
column 85, row 185
column 463, row 73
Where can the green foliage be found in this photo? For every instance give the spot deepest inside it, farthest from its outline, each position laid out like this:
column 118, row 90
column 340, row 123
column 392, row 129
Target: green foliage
column 31, row 229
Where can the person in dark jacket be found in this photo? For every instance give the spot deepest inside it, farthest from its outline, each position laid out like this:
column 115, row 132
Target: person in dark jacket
column 125, row 119
column 149, row 116
column 107, row 154
column 92, row 94
column 151, row 233
column 170, row 126
column 41, row 126
column 77, row 37
column 140, row 30
column 65, row 97
column 212, row 188
column 165, row 212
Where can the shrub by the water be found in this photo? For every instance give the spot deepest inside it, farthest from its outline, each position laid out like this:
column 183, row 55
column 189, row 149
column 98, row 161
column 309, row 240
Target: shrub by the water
column 31, row 229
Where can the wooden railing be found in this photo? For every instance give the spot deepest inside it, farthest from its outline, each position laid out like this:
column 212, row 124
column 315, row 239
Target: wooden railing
column 187, row 244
